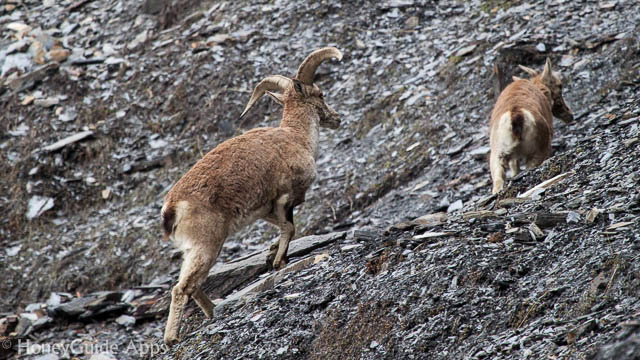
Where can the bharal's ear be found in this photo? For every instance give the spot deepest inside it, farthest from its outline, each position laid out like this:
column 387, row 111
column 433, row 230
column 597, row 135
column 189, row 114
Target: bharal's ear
column 547, row 73
column 279, row 98
column 528, row 70
column 516, row 78
column 299, row 87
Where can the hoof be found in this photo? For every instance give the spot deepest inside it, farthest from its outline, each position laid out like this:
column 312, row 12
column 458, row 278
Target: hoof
column 170, row 340
column 281, row 264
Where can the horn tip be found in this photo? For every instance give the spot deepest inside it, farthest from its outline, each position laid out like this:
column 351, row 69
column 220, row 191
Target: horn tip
column 338, row 54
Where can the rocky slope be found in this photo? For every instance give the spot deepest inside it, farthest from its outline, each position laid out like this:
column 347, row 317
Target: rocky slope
column 147, row 88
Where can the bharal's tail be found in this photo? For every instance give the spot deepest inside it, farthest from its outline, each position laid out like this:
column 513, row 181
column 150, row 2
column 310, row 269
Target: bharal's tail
column 517, row 122
column 168, row 219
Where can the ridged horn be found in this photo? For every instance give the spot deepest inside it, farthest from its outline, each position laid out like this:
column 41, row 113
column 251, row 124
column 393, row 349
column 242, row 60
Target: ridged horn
column 270, row 83
column 528, row 70
column 547, row 72
column 307, row 69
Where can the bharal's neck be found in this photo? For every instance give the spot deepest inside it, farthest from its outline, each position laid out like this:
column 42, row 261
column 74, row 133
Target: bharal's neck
column 304, row 121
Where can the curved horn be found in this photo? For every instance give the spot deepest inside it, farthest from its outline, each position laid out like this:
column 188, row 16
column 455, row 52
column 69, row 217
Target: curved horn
column 528, row 70
column 307, row 69
column 547, row 72
column 270, row 83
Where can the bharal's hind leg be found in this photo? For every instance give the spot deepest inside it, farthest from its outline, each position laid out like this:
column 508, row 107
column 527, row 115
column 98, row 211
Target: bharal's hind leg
column 497, row 165
column 194, row 270
column 281, row 216
column 203, row 302
column 514, row 166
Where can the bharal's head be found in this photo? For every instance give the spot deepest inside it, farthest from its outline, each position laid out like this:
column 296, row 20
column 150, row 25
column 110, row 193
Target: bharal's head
column 553, row 81
column 301, row 88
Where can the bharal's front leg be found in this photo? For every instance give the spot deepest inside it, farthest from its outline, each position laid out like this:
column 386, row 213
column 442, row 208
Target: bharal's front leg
column 282, row 216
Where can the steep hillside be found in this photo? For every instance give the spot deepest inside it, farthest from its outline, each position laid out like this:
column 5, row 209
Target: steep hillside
column 149, row 88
